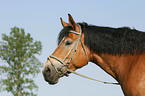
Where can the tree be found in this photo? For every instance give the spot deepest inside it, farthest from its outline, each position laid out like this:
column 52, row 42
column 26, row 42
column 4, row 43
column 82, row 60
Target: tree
column 20, row 66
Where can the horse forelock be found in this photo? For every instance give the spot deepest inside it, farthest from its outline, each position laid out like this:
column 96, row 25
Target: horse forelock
column 64, row 32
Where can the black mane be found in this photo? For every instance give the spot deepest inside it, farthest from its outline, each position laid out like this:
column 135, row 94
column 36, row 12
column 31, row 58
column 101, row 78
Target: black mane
column 123, row 40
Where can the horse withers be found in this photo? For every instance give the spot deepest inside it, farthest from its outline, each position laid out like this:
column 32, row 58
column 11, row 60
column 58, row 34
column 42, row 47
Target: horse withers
column 118, row 51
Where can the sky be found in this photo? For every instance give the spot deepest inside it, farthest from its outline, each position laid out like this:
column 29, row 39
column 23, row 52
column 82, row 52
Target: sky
column 41, row 18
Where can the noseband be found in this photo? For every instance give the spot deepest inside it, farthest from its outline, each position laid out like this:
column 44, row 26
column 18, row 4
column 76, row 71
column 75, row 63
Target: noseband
column 73, row 50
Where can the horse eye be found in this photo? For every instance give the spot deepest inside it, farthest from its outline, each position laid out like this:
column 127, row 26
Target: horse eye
column 68, row 42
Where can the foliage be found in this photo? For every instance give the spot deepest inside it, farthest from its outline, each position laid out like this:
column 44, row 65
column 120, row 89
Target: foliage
column 18, row 51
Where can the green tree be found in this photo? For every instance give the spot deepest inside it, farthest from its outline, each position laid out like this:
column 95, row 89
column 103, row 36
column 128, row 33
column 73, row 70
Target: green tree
column 18, row 52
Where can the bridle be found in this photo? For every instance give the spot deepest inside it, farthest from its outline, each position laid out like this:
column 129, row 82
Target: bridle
column 73, row 50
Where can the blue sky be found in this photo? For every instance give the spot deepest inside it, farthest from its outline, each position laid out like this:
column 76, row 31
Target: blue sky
column 41, row 18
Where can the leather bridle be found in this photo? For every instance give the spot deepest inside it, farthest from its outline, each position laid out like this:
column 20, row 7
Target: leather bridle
column 73, row 50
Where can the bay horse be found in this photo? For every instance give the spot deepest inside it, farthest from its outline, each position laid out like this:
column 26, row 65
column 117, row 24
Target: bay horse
column 118, row 51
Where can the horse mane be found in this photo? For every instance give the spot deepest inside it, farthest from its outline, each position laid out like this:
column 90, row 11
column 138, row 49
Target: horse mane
column 122, row 40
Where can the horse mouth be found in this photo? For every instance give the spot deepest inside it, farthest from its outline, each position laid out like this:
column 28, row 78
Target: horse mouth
column 53, row 82
column 51, row 79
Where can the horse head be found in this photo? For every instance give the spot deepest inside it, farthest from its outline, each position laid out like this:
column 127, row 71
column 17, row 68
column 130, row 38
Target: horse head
column 70, row 54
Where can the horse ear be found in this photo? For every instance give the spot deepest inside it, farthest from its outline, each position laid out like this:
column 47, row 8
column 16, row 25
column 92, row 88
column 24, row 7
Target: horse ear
column 73, row 24
column 63, row 23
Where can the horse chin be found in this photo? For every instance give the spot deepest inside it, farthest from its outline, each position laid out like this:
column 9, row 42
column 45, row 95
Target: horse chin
column 53, row 82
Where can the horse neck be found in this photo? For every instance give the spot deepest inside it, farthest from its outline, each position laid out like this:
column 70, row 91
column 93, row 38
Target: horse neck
column 115, row 65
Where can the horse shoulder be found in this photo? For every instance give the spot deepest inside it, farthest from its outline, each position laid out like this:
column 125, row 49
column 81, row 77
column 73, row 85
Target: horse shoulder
column 136, row 77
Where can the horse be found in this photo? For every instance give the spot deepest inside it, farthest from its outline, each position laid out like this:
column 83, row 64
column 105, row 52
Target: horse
column 118, row 51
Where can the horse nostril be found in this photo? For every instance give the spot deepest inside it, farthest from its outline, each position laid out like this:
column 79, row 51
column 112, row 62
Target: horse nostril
column 48, row 71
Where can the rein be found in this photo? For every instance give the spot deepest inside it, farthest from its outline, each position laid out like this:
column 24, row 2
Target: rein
column 74, row 49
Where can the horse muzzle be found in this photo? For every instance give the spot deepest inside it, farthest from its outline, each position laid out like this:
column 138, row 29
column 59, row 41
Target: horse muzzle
column 53, row 70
